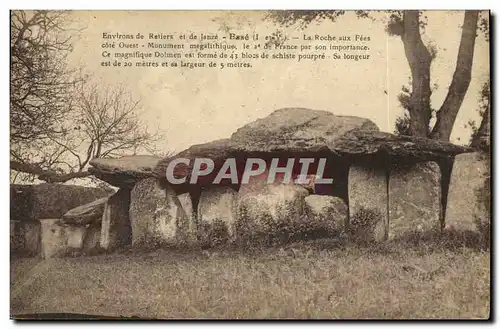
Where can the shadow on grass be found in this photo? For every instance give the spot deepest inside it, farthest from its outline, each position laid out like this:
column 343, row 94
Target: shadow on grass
column 423, row 243
column 448, row 239
column 420, row 242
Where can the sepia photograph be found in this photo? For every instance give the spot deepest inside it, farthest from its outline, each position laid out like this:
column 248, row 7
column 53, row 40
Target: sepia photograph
column 250, row 164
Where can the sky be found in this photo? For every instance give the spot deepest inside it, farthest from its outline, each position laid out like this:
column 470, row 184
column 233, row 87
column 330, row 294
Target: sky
column 193, row 106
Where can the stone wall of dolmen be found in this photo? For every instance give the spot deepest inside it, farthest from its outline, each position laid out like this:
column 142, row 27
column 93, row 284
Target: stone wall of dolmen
column 379, row 207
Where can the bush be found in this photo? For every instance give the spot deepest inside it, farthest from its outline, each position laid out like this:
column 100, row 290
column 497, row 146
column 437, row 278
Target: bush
column 483, row 196
column 213, row 234
column 362, row 225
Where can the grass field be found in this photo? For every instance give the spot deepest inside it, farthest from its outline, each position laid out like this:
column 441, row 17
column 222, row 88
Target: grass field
column 319, row 279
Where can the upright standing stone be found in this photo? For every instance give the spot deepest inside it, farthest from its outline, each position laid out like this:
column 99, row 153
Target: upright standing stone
column 59, row 240
column 268, row 209
column 25, row 237
column 16, row 239
column 156, row 215
column 92, row 239
column 32, row 239
column 217, row 212
column 414, row 198
column 116, row 230
column 187, row 205
column 469, row 177
column 367, row 189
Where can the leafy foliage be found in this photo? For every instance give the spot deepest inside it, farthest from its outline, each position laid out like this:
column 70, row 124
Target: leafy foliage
column 483, row 196
column 484, row 109
column 402, row 125
column 410, row 25
column 484, row 25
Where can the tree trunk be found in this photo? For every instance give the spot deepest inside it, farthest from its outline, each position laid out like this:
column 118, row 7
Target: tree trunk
column 447, row 114
column 419, row 59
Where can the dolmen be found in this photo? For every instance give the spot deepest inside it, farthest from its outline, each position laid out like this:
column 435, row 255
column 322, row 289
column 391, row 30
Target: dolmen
column 33, row 205
column 295, row 174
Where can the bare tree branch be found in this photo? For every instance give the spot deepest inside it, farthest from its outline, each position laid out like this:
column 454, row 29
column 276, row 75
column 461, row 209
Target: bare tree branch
column 60, row 118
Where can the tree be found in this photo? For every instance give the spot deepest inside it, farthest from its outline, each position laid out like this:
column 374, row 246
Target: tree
column 402, row 126
column 39, row 85
column 408, row 25
column 60, row 119
column 445, row 117
column 481, row 135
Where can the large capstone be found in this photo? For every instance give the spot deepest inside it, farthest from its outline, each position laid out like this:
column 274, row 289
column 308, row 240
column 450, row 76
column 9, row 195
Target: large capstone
column 469, row 193
column 157, row 216
column 368, row 220
column 124, row 171
column 303, row 133
column 116, row 230
column 414, row 199
column 297, row 130
column 86, row 214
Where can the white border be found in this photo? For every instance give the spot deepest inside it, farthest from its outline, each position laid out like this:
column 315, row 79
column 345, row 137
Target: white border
column 186, row 4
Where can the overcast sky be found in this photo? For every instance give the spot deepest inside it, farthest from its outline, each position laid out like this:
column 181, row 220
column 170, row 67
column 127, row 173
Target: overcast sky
column 200, row 105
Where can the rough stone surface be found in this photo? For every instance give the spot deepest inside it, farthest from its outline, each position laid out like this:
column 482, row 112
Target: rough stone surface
column 268, row 209
column 157, row 216
column 300, row 132
column 16, row 241
column 34, row 202
column 305, row 130
column 218, row 151
column 297, row 130
column 116, row 230
column 217, row 215
column 470, row 175
column 59, row 240
column 326, row 213
column 368, row 203
column 359, row 142
column 25, row 238
column 92, row 239
column 187, row 205
column 414, row 199
column 86, row 213
column 124, row 171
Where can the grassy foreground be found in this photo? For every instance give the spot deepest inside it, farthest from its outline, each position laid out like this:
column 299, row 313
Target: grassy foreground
column 317, row 279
